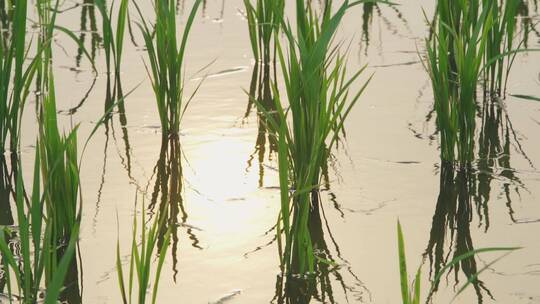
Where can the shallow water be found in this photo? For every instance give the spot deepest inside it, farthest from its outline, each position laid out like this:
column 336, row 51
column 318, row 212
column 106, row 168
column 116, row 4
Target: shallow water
column 227, row 198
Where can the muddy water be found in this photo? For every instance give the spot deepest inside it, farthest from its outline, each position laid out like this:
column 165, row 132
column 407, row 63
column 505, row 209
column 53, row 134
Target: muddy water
column 226, row 196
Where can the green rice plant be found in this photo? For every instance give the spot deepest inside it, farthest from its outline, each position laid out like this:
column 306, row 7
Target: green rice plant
column 39, row 263
column 58, row 154
column 49, row 221
column 166, row 59
column 411, row 294
column 500, row 42
column 59, row 167
column 455, row 55
column 264, row 18
column 141, row 261
column 318, row 95
column 15, row 75
column 113, row 42
column 470, row 41
column 61, row 179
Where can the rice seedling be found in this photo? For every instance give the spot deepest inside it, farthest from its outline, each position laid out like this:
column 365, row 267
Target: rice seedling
column 318, row 95
column 141, row 262
column 166, row 59
column 61, row 181
column 455, row 54
column 49, row 220
column 59, row 166
column 469, row 42
column 36, row 270
column 15, row 76
column 113, row 42
column 411, row 294
column 264, row 19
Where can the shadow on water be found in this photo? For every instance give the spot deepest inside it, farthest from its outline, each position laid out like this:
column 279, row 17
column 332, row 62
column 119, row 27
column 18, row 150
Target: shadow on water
column 332, row 271
column 465, row 192
column 88, row 26
column 368, row 11
column 181, row 5
column 496, row 142
column 125, row 157
column 103, row 174
column 167, row 202
column 450, row 234
column 526, row 9
column 260, row 92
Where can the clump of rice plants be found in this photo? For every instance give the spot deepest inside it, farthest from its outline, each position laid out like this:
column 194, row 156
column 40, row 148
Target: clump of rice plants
column 166, row 62
column 411, row 293
column 471, row 41
column 59, row 167
column 58, row 152
column 49, row 220
column 59, row 164
column 264, row 19
column 455, row 55
column 15, row 76
column 141, row 261
column 317, row 89
column 37, row 269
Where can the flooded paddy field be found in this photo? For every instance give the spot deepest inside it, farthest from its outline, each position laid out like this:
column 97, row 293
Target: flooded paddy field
column 214, row 188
